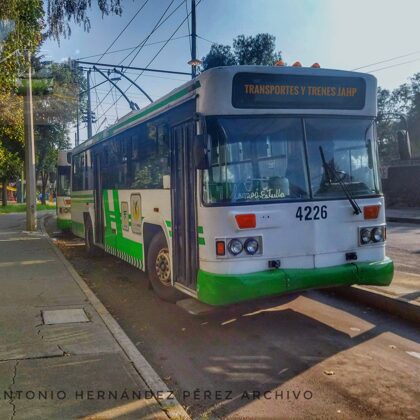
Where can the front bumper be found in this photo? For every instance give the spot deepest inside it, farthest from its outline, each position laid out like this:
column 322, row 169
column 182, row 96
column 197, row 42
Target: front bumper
column 64, row 224
column 219, row 289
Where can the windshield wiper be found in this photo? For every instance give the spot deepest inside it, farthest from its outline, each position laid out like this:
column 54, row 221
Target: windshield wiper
column 330, row 170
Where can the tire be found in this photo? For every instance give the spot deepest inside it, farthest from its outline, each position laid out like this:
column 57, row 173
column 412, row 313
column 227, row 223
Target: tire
column 90, row 247
column 159, row 270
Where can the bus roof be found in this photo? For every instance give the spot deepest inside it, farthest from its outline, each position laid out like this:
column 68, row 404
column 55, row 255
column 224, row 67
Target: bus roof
column 238, row 90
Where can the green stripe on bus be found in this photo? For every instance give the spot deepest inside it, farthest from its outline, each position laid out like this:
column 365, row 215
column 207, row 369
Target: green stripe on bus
column 78, row 228
column 114, row 238
column 200, row 229
column 224, row 289
column 168, row 223
column 63, row 224
column 201, row 241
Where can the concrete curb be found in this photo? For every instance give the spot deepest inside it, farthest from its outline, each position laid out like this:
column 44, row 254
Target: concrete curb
column 394, row 305
column 403, row 220
column 162, row 393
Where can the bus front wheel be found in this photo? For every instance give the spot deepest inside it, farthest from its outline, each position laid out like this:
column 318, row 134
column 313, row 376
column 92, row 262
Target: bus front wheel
column 159, row 269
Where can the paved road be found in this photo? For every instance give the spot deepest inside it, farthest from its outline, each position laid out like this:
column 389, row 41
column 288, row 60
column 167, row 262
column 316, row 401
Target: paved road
column 403, row 243
column 306, row 355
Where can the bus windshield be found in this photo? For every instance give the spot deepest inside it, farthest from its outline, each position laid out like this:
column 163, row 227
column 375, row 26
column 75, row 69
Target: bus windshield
column 254, row 159
column 63, row 181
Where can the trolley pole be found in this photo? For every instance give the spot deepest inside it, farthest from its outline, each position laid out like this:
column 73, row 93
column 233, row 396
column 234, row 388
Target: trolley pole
column 193, row 41
column 89, row 107
column 31, row 221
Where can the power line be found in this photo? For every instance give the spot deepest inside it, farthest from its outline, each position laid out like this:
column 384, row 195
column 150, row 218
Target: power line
column 160, row 50
column 387, row 60
column 141, row 44
column 205, row 39
column 394, row 65
column 123, row 30
column 132, row 48
column 151, row 33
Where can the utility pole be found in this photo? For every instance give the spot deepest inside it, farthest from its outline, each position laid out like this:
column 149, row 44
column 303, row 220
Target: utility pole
column 89, row 107
column 77, row 134
column 31, row 221
column 193, row 41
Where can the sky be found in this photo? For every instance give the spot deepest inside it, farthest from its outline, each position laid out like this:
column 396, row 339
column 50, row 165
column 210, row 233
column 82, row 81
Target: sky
column 340, row 34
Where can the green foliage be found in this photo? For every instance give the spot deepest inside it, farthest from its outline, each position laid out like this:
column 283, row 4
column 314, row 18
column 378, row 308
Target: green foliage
column 258, row 50
column 25, row 18
column 219, row 55
column 405, row 101
column 11, row 136
column 53, row 112
column 61, row 12
column 21, row 208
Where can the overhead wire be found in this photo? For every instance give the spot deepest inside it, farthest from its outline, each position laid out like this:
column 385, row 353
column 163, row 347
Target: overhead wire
column 132, row 48
column 388, row 60
column 123, row 30
column 160, row 50
column 394, row 65
column 151, row 33
column 141, row 44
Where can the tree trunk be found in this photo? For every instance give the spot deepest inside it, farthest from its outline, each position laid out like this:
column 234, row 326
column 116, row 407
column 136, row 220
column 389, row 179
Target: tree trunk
column 44, row 179
column 4, row 193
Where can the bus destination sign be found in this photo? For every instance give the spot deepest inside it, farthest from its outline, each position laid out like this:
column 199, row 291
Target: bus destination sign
column 271, row 91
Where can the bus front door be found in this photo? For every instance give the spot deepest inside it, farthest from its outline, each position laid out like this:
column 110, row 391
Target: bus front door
column 99, row 213
column 183, row 198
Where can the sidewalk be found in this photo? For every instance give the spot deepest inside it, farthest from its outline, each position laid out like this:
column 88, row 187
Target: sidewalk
column 406, row 215
column 58, row 358
column 401, row 297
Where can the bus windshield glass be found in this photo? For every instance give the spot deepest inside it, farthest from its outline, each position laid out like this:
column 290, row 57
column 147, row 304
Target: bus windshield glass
column 348, row 148
column 263, row 159
column 63, row 181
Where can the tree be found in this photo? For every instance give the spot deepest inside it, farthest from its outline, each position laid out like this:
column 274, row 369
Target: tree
column 219, row 55
column 11, row 139
column 54, row 111
column 61, row 12
column 402, row 101
column 24, row 23
column 258, row 50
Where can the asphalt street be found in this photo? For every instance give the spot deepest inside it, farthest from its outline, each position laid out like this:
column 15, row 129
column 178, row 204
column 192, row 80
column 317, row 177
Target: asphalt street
column 306, row 355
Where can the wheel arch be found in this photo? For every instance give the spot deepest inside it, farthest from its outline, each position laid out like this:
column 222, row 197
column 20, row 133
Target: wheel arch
column 150, row 230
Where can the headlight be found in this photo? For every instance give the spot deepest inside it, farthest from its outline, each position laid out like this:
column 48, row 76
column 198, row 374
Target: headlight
column 235, row 247
column 365, row 236
column 377, row 234
column 251, row 246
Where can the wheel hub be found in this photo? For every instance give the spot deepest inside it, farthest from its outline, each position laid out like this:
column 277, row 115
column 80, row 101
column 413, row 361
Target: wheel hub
column 163, row 267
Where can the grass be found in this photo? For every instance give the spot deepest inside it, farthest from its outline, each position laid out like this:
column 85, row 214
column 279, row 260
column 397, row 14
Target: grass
column 21, row 208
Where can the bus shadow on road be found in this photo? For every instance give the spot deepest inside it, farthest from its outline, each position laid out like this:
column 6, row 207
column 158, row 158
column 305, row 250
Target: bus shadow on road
column 280, row 348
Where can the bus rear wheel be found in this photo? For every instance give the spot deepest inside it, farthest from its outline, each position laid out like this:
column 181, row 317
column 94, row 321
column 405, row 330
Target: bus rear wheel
column 159, row 269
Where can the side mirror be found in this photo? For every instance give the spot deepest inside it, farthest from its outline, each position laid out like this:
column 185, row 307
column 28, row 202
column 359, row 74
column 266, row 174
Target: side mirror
column 370, row 154
column 200, row 152
column 404, row 146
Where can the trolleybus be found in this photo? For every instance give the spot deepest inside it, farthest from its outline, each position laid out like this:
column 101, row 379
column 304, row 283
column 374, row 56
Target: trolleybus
column 245, row 182
column 63, row 200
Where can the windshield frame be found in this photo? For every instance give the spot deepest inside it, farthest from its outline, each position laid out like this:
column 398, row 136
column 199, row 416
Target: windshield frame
column 311, row 197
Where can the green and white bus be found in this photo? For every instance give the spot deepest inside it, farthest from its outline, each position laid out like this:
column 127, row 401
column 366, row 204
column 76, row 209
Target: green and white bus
column 245, row 182
column 63, row 200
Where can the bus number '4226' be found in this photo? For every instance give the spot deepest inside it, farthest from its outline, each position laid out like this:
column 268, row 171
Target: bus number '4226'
column 311, row 213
